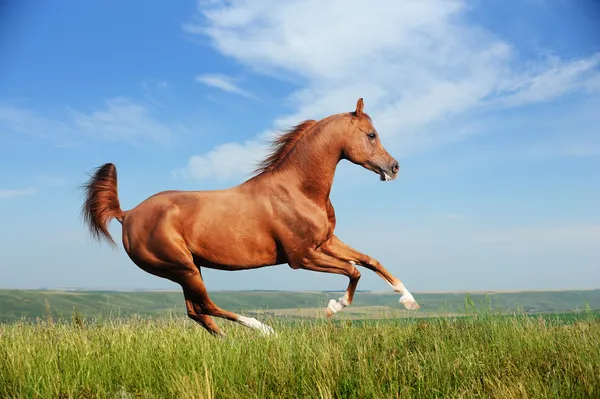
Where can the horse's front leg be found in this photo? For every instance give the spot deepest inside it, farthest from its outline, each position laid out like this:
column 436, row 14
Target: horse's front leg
column 317, row 260
column 335, row 247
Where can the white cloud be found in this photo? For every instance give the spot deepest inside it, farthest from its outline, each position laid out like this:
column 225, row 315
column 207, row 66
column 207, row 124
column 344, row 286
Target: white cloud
column 224, row 83
column 6, row 194
column 551, row 81
column 423, row 68
column 224, row 162
column 119, row 119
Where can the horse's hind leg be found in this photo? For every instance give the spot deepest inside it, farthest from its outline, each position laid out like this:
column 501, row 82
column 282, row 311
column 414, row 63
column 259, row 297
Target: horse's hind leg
column 201, row 303
column 203, row 319
column 175, row 263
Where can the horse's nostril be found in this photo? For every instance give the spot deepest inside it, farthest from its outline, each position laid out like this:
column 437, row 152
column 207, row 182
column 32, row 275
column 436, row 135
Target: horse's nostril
column 395, row 168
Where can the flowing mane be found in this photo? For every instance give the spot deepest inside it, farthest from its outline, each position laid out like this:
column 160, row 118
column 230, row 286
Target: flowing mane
column 283, row 145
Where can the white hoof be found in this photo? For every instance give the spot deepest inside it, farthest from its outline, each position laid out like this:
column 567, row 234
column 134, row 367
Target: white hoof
column 255, row 324
column 409, row 302
column 335, row 306
column 266, row 330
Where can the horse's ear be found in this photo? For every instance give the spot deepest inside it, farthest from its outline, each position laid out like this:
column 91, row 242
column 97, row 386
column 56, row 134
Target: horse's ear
column 359, row 107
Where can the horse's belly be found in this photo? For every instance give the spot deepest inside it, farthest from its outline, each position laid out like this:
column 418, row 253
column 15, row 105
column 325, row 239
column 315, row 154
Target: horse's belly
column 236, row 251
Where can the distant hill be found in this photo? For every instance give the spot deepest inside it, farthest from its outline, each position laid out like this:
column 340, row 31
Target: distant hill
column 16, row 304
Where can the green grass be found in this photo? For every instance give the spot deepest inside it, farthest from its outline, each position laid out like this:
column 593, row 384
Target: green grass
column 480, row 355
column 140, row 344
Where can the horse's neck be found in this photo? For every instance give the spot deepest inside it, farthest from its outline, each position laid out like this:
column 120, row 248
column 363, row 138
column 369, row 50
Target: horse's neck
column 311, row 166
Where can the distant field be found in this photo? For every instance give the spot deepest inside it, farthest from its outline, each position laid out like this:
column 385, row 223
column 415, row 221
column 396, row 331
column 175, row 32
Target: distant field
column 31, row 304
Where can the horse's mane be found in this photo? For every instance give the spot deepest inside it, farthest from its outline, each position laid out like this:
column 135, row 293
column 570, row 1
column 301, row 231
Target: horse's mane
column 283, row 145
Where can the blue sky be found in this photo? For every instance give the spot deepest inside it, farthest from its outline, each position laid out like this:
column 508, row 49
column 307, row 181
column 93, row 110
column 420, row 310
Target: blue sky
column 491, row 108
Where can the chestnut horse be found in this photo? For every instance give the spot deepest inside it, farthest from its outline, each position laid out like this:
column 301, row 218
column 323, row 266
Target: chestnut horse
column 282, row 214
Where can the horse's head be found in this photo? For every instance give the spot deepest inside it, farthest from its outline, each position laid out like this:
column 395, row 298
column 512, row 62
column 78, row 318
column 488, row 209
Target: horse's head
column 362, row 146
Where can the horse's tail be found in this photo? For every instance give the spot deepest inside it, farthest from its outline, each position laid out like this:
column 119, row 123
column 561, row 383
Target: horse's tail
column 102, row 202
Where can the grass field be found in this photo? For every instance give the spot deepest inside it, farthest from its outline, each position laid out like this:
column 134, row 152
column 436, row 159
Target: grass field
column 486, row 356
column 489, row 350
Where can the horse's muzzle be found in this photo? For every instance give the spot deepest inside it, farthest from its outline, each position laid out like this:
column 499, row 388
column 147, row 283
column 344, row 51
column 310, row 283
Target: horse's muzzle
column 390, row 172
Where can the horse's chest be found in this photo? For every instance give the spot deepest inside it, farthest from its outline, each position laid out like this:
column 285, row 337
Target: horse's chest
column 316, row 226
column 308, row 225
column 325, row 230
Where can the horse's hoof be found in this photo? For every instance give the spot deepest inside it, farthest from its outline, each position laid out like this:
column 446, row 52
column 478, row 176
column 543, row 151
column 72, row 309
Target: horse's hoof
column 267, row 330
column 409, row 302
column 334, row 306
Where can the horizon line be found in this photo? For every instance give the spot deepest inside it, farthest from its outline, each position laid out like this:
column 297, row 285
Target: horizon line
column 461, row 291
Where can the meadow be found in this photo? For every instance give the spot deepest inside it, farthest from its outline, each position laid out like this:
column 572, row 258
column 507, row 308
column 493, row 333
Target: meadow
column 484, row 351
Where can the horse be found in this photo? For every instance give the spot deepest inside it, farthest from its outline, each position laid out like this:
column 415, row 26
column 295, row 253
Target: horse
column 281, row 214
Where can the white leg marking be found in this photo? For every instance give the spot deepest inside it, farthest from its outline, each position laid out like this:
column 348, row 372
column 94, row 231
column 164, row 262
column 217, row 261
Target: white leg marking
column 409, row 301
column 255, row 324
column 406, row 299
column 335, row 306
column 344, row 300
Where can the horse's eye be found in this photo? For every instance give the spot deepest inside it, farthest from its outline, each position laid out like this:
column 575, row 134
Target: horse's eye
column 371, row 135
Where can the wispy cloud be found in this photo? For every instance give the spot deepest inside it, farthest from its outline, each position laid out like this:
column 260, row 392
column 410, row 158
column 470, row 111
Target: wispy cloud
column 15, row 120
column 118, row 119
column 122, row 119
column 224, row 83
column 7, row 194
column 223, row 162
column 425, row 70
column 553, row 79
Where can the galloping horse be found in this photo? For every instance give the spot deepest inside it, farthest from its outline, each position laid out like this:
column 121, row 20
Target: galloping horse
column 282, row 214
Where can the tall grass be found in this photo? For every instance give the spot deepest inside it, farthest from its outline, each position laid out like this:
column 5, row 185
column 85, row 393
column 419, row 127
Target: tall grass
column 476, row 356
